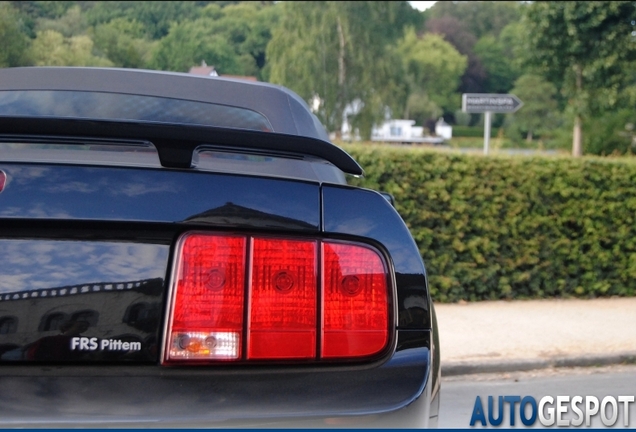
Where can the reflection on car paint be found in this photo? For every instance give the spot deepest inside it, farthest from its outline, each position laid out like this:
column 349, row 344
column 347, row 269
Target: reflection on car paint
column 366, row 213
column 80, row 289
column 121, row 194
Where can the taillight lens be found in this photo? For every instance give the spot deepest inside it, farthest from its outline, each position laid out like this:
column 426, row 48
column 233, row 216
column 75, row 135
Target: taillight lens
column 244, row 298
column 356, row 301
column 207, row 318
column 282, row 300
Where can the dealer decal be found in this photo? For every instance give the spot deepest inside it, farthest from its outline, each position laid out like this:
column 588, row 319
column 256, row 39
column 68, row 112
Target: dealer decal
column 95, row 344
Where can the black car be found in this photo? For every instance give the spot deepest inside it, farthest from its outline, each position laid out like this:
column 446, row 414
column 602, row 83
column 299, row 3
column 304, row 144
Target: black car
column 185, row 251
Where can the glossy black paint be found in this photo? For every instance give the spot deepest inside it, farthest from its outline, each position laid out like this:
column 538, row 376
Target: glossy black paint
column 175, row 143
column 122, row 194
column 103, row 290
column 365, row 213
column 153, row 207
column 149, row 396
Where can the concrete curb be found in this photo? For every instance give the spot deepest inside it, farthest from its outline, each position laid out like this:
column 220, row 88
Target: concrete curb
column 452, row 368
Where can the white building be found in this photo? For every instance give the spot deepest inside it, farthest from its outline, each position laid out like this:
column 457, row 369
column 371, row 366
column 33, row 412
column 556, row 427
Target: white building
column 402, row 131
column 443, row 129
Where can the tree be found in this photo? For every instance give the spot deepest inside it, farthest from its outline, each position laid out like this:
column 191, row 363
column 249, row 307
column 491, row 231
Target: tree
column 43, row 9
column 500, row 68
column 539, row 111
column 71, row 23
column 479, row 18
column 456, row 33
column 122, row 42
column 157, row 17
column 614, row 132
column 588, row 65
column 191, row 42
column 233, row 39
column 338, row 53
column 247, row 27
column 433, row 69
column 512, row 40
column 13, row 38
column 51, row 48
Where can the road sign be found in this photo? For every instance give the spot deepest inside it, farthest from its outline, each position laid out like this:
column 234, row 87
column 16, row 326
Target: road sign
column 489, row 103
column 484, row 102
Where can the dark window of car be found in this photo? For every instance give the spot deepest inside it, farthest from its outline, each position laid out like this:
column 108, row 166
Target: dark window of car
column 85, row 153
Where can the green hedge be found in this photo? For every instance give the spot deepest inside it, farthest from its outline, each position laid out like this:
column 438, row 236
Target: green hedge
column 513, row 227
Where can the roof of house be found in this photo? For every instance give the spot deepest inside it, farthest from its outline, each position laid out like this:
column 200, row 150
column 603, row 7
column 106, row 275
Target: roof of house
column 203, row 70
column 240, row 77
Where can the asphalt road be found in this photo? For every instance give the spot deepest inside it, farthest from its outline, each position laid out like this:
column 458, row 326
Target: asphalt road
column 459, row 393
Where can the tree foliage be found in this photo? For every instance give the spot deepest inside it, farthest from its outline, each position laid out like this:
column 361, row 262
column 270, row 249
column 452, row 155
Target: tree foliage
column 232, row 39
column 155, row 16
column 457, row 34
column 72, row 23
column 611, row 133
column 540, row 110
column 479, row 18
column 339, row 52
column 588, row 65
column 433, row 67
column 13, row 38
column 51, row 48
column 191, row 43
column 501, row 72
column 122, row 42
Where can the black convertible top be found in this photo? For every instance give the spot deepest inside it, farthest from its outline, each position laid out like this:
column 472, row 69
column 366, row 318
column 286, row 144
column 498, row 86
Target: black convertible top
column 227, row 108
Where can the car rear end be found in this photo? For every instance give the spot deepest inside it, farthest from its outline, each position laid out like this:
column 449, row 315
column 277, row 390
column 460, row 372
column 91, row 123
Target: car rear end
column 198, row 261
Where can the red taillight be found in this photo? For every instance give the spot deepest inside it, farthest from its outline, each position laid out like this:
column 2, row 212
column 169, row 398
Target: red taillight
column 207, row 318
column 245, row 298
column 355, row 301
column 282, row 317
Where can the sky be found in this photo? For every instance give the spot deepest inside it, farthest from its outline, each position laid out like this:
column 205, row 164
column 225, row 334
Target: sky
column 422, row 5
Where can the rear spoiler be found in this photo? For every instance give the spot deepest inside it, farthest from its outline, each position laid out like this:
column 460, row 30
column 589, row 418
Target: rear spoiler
column 176, row 143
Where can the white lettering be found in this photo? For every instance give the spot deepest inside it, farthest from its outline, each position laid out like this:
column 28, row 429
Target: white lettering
column 609, row 421
column 589, row 411
column 626, row 400
column 579, row 414
column 93, row 344
column 549, row 420
column 562, row 409
column 84, row 344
